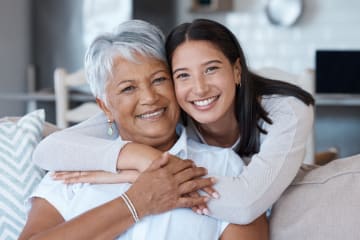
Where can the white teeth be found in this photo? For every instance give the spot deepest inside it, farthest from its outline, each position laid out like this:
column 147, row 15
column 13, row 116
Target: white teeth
column 204, row 102
column 153, row 114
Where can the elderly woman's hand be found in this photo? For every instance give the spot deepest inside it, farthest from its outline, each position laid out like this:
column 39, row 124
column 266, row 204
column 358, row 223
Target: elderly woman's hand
column 165, row 185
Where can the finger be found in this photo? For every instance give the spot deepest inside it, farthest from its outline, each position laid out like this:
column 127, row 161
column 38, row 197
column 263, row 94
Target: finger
column 198, row 208
column 196, row 184
column 190, row 173
column 158, row 163
column 177, row 165
column 189, row 202
column 65, row 175
column 211, row 192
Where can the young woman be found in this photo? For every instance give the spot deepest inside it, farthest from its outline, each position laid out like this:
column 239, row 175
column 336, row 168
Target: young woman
column 265, row 121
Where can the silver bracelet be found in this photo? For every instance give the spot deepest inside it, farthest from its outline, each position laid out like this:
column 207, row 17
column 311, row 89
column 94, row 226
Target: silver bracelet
column 131, row 207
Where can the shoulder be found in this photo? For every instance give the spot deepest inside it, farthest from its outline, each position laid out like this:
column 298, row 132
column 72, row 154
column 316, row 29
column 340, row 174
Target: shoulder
column 287, row 107
column 288, row 104
column 95, row 126
column 97, row 121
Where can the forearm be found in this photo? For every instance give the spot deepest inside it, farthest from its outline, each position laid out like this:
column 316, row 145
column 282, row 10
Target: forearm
column 77, row 152
column 137, row 156
column 270, row 171
column 246, row 197
column 85, row 146
column 104, row 222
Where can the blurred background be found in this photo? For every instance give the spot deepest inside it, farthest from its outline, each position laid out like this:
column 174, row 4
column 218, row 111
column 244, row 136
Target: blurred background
column 37, row 36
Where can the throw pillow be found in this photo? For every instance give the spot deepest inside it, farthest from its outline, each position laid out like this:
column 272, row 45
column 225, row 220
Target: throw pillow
column 18, row 175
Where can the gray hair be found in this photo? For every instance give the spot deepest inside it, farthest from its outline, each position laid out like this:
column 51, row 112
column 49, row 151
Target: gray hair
column 133, row 36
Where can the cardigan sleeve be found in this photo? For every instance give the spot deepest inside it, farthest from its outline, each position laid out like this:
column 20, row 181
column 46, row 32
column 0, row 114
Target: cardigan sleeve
column 85, row 146
column 271, row 170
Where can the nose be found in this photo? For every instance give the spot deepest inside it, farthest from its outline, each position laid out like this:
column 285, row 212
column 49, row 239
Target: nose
column 200, row 86
column 149, row 96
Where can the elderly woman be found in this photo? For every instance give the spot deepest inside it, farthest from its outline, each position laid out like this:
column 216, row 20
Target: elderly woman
column 131, row 81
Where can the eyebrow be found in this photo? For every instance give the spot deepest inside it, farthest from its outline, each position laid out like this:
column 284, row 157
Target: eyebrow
column 159, row 71
column 133, row 80
column 124, row 81
column 204, row 64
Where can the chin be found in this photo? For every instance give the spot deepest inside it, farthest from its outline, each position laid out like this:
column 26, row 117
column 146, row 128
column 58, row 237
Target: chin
column 204, row 120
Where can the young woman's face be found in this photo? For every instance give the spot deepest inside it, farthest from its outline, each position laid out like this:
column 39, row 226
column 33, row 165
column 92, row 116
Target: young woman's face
column 205, row 81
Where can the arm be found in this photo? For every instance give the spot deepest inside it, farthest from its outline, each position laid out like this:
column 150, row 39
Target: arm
column 155, row 191
column 45, row 222
column 269, row 173
column 257, row 230
column 85, row 146
column 271, row 170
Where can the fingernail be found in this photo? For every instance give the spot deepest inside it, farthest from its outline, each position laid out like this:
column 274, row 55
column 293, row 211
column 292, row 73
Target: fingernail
column 206, row 211
column 215, row 195
column 206, row 199
column 199, row 212
column 213, row 180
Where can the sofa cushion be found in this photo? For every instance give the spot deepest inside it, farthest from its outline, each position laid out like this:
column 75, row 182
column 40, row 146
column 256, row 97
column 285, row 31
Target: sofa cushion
column 18, row 175
column 321, row 203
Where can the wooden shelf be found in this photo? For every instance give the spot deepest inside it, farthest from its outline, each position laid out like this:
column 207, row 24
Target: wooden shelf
column 44, row 95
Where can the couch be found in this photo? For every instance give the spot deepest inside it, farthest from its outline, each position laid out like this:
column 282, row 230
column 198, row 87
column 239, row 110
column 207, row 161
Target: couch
column 321, row 203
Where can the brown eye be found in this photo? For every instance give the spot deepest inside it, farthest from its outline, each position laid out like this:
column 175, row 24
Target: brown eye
column 159, row 80
column 182, row 76
column 128, row 89
column 211, row 69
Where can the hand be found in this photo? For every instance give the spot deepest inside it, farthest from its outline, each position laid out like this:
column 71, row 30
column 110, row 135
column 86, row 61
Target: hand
column 209, row 190
column 99, row 177
column 164, row 185
column 202, row 209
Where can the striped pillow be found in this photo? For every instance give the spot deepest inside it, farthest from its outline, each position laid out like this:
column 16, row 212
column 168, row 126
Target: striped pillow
column 18, row 175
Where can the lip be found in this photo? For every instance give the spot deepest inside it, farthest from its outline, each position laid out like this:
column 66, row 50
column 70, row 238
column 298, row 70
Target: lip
column 205, row 103
column 152, row 114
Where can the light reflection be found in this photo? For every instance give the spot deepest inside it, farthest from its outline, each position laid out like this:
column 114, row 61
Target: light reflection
column 102, row 16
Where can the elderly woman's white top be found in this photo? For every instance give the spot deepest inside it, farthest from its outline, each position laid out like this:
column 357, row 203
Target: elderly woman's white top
column 178, row 224
column 87, row 147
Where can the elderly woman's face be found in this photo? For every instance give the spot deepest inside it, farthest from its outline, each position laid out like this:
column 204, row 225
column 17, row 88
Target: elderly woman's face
column 141, row 100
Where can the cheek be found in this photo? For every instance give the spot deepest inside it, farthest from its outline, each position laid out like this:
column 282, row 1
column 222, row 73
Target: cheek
column 180, row 93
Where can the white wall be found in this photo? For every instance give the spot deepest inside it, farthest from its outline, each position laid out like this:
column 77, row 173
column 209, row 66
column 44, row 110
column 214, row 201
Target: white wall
column 324, row 24
column 15, row 42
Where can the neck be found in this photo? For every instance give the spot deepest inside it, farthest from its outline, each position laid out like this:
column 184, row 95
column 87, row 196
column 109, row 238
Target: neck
column 168, row 144
column 222, row 133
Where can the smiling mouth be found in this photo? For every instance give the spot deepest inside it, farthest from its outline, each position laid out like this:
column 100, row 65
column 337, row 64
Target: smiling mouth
column 205, row 102
column 152, row 114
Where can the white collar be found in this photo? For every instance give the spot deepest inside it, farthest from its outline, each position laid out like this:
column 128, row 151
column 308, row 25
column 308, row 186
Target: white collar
column 180, row 147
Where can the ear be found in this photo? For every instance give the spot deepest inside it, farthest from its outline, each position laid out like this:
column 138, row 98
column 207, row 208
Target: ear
column 105, row 109
column 237, row 72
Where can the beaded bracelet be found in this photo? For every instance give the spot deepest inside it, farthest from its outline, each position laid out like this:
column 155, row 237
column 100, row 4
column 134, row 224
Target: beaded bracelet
column 131, row 207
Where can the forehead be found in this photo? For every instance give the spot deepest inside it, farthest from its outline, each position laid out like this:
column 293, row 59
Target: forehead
column 139, row 65
column 192, row 50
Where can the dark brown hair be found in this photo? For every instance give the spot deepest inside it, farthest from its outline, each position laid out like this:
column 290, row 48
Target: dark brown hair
column 248, row 107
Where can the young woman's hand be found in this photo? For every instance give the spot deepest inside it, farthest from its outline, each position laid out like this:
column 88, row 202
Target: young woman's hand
column 99, row 177
column 202, row 208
